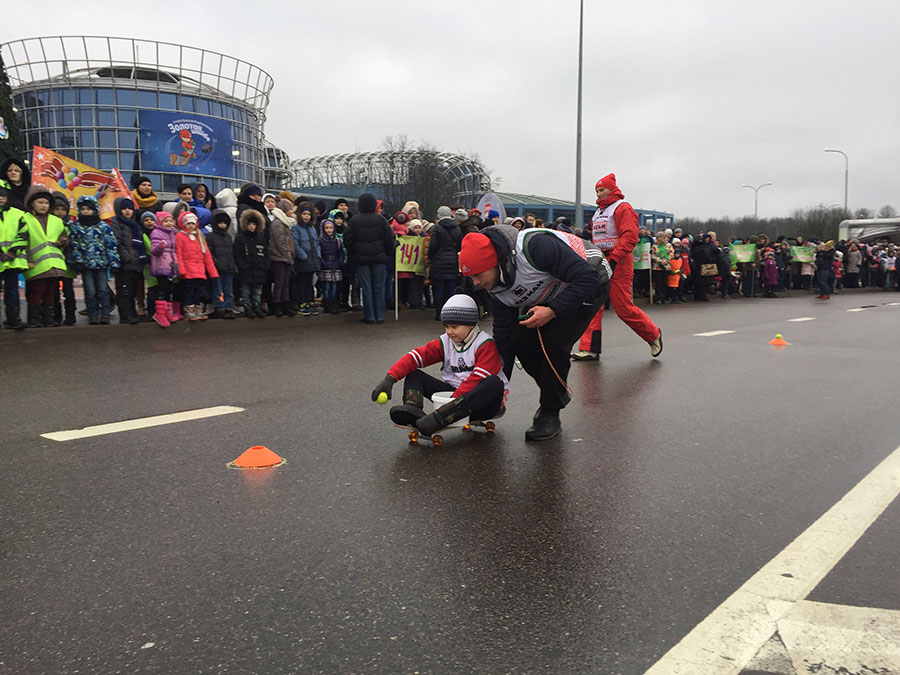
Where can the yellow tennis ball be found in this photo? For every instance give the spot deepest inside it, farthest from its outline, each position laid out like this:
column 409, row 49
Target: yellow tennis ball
column 778, row 337
column 382, row 398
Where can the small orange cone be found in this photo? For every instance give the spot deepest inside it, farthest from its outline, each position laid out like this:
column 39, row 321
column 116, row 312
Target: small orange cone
column 779, row 341
column 257, row 457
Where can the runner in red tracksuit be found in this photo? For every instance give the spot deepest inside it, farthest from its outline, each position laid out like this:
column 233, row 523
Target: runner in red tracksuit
column 614, row 228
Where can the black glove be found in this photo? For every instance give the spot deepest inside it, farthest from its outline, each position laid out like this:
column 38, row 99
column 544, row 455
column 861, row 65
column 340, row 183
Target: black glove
column 384, row 387
column 612, row 264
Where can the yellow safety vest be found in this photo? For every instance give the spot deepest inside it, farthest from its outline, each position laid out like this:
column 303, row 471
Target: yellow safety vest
column 9, row 237
column 41, row 250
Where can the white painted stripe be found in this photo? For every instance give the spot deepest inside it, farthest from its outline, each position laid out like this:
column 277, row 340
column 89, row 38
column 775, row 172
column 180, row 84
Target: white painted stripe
column 802, row 318
column 142, row 423
column 733, row 633
column 858, row 309
column 713, row 333
column 894, row 304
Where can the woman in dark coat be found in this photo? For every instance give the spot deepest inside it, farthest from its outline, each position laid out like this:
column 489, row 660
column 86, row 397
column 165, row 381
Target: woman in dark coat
column 369, row 240
column 702, row 253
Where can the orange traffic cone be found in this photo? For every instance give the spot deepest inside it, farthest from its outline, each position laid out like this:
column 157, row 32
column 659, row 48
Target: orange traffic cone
column 779, row 341
column 257, row 457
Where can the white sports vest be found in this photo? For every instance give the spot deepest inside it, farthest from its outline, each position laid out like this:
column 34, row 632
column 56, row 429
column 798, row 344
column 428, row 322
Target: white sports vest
column 533, row 286
column 458, row 365
column 603, row 227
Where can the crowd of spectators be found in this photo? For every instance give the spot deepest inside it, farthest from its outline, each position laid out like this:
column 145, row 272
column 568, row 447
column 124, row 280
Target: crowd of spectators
column 255, row 254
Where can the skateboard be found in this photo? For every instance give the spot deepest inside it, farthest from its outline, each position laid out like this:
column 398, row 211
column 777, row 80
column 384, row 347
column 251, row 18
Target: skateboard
column 436, row 438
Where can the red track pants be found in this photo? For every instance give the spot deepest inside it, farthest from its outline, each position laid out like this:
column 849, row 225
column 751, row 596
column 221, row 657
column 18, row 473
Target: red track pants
column 620, row 297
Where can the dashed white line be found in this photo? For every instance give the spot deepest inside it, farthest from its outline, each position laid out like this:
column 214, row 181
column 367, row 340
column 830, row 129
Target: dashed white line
column 858, row 309
column 734, row 632
column 713, row 333
column 893, row 304
column 802, row 318
column 141, row 423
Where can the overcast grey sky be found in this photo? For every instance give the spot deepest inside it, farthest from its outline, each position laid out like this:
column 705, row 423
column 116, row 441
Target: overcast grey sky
column 684, row 101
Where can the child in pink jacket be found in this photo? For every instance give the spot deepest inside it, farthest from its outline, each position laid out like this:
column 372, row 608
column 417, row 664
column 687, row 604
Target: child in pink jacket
column 195, row 264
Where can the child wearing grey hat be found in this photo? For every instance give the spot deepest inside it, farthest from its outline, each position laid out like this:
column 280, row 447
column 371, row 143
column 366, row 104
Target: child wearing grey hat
column 472, row 370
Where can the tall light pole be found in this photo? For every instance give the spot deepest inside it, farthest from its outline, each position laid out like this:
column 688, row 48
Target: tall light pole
column 579, row 210
column 756, row 198
column 846, row 173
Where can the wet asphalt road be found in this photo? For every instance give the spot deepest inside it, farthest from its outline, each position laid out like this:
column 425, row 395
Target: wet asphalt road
column 673, row 482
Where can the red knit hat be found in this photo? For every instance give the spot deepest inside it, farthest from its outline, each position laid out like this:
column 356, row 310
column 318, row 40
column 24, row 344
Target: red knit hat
column 608, row 181
column 477, row 254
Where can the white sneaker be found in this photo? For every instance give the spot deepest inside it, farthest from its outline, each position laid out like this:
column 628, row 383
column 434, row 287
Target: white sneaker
column 582, row 355
column 656, row 346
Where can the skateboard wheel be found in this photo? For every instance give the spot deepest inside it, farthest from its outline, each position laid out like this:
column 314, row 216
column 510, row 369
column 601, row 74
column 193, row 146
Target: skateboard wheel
column 413, row 436
column 437, row 440
column 489, row 426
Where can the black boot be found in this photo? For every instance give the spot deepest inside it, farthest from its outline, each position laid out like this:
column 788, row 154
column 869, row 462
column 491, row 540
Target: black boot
column 46, row 316
column 13, row 320
column 34, row 316
column 69, row 306
column 406, row 415
column 546, row 426
column 444, row 416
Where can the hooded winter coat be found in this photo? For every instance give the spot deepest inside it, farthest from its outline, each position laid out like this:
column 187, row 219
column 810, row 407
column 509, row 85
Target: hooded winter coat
column 194, row 259
column 443, row 251
column 163, row 259
column 281, row 244
column 132, row 254
column 368, row 237
column 226, row 200
column 332, row 251
column 306, row 246
column 221, row 245
column 251, row 253
column 17, row 193
column 94, row 246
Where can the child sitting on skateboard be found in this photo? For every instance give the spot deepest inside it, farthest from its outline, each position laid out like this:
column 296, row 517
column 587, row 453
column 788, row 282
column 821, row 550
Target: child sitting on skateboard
column 472, row 370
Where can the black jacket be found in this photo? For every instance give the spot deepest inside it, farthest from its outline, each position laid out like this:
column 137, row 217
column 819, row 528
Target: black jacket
column 222, row 249
column 251, row 250
column 369, row 239
column 129, row 247
column 443, row 251
column 551, row 254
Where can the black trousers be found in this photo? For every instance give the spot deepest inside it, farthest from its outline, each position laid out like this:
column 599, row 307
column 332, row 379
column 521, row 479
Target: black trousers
column 559, row 335
column 483, row 401
column 126, row 289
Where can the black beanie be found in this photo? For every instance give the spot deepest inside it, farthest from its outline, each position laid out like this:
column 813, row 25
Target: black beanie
column 137, row 179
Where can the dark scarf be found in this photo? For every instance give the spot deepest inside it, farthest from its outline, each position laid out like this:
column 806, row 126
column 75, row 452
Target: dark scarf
column 89, row 220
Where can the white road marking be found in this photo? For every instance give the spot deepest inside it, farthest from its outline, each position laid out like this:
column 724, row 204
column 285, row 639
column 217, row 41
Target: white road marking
column 802, row 318
column 141, row 423
column 893, row 304
column 833, row 638
column 858, row 309
column 726, row 640
column 713, row 333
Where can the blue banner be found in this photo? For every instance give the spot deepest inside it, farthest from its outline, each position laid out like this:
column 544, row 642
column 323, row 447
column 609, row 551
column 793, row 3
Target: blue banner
column 185, row 143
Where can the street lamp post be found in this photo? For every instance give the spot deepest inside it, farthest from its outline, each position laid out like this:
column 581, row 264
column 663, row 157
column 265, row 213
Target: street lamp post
column 756, row 198
column 846, row 173
column 579, row 210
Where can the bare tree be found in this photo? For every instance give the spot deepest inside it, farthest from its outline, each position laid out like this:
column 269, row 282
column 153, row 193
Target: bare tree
column 862, row 213
column 887, row 211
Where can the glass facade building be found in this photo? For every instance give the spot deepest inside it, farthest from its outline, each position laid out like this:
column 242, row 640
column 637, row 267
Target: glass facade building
column 84, row 97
